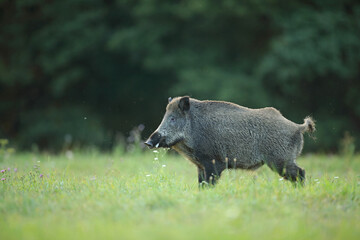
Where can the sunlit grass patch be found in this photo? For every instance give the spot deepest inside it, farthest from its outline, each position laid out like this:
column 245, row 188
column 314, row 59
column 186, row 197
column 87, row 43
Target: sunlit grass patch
column 156, row 196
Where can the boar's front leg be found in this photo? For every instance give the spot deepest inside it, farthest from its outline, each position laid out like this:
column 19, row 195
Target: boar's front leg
column 210, row 172
column 201, row 175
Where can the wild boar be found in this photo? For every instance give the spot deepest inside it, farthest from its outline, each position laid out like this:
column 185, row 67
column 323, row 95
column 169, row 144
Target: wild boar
column 217, row 135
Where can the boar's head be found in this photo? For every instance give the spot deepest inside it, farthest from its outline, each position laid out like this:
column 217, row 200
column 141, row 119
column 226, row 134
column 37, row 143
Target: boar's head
column 174, row 125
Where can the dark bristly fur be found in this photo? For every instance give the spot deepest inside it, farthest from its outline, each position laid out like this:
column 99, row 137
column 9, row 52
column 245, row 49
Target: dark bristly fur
column 216, row 135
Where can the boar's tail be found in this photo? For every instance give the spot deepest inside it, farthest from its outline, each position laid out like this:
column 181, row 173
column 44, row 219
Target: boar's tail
column 308, row 126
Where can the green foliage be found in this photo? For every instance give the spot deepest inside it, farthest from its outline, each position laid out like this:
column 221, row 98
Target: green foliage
column 62, row 127
column 314, row 64
column 99, row 196
column 347, row 146
column 121, row 60
column 5, row 151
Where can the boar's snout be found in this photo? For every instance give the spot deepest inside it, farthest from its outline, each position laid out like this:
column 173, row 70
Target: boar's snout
column 153, row 140
column 149, row 143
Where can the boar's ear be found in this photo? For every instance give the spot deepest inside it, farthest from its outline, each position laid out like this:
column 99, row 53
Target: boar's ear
column 184, row 104
column 170, row 99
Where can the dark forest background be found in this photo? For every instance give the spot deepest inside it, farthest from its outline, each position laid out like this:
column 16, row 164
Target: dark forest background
column 76, row 73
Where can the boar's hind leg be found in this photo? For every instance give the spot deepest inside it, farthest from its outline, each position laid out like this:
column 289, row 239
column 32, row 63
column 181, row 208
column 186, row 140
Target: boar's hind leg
column 294, row 173
column 289, row 171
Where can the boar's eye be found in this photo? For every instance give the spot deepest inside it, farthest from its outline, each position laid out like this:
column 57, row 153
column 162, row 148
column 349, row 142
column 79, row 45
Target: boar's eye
column 172, row 119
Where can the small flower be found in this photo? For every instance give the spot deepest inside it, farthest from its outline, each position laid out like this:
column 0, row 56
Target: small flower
column 2, row 171
column 155, row 151
column 15, row 169
column 3, row 179
column 9, row 169
column 41, row 175
column 164, row 165
column 156, row 159
column 148, row 175
column 336, row 177
column 93, row 178
column 281, row 179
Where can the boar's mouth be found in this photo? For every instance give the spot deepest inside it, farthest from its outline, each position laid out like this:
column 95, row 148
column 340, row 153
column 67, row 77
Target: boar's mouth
column 158, row 141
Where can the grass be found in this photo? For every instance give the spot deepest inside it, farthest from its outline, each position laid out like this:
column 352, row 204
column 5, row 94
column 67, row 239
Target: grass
column 115, row 196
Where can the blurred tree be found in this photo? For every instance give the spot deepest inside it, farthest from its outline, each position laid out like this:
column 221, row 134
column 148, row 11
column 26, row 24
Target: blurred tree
column 314, row 65
column 58, row 65
column 116, row 62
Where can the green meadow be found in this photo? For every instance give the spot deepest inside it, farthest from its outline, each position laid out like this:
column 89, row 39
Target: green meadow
column 147, row 195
